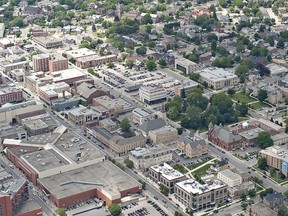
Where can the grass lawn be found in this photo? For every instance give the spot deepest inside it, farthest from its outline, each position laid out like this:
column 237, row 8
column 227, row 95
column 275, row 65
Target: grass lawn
column 193, row 166
column 242, row 98
column 180, row 168
column 277, row 178
column 203, row 170
column 179, row 118
column 258, row 188
column 258, row 105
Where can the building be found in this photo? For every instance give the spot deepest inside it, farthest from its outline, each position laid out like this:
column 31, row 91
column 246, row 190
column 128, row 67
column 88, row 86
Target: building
column 69, row 76
column 79, row 53
column 220, row 165
column 277, row 70
column 185, row 65
column 260, row 209
column 17, row 74
column 276, row 157
column 144, row 158
column 9, row 132
column 94, row 60
column 141, row 115
column 230, row 178
column 270, row 126
column 7, row 66
column 218, row 78
column 223, row 138
column 164, row 174
column 193, row 147
column 39, row 124
column 153, row 124
column 5, row 43
column 152, row 94
column 89, row 91
column 274, row 200
column 81, row 115
column 58, row 64
column 10, row 95
column 274, row 92
column 165, row 134
column 184, row 88
column 48, row 42
column 54, row 91
column 198, row 196
column 108, row 124
column 41, row 62
column 280, row 138
column 236, row 191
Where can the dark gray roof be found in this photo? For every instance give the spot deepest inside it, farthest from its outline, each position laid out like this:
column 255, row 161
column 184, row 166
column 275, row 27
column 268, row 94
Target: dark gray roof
column 86, row 89
column 225, row 135
column 152, row 125
column 103, row 132
column 221, row 163
column 194, row 143
column 274, row 196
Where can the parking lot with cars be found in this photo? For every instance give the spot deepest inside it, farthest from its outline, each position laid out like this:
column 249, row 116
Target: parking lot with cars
column 144, row 208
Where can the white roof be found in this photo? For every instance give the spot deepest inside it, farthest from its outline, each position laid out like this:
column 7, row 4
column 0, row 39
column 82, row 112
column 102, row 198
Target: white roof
column 167, row 171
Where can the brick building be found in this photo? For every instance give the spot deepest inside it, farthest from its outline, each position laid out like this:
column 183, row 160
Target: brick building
column 58, row 64
column 8, row 95
column 41, row 62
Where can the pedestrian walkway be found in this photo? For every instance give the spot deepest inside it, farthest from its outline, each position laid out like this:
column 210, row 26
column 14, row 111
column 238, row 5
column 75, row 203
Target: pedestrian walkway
column 202, row 165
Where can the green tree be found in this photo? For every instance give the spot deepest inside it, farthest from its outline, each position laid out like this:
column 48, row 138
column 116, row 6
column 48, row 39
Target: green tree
column 110, row 64
column 262, row 95
column 242, row 109
column 151, row 44
column 195, row 98
column 194, row 76
column 230, row 91
column 125, row 125
column 242, row 69
column 61, row 211
column 252, row 193
column 222, row 101
column 286, row 194
column 129, row 163
column 281, row 43
column 150, row 65
column 114, row 209
column 129, row 64
column 240, row 48
column 147, row 19
column 264, row 140
column 189, row 211
column 213, row 46
column 164, row 190
column 143, row 183
column 178, row 214
column 141, row 50
column 282, row 211
column 162, row 62
column 262, row 163
column 244, row 206
column 93, row 27
column 243, row 196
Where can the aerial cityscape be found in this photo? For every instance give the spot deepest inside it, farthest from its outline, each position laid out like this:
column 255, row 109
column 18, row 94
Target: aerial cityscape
column 134, row 108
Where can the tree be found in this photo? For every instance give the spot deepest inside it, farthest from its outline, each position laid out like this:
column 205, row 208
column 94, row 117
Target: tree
column 189, row 211
column 129, row 163
column 264, row 140
column 141, row 50
column 147, row 19
column 162, row 63
column 243, row 196
column 129, row 64
column 178, row 214
column 222, row 101
column 230, row 91
column 93, row 27
column 143, row 183
column 252, row 193
column 244, row 206
column 281, row 43
column 213, row 46
column 196, row 77
column 151, row 44
column 262, row 95
column 61, row 211
column 125, row 125
column 195, row 98
column 242, row 69
column 242, row 109
column 164, row 190
column 114, row 209
column 282, row 211
column 262, row 163
column 110, row 64
column 286, row 194
column 151, row 65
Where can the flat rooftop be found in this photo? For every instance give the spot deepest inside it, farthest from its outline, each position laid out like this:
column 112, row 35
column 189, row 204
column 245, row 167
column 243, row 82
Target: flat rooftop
column 41, row 139
column 80, row 111
column 229, row 174
column 80, row 53
column 251, row 134
column 142, row 112
column 27, row 206
column 163, row 130
column 112, row 102
column 184, row 61
column 104, row 176
column 216, row 74
column 167, row 171
column 194, row 187
column 8, row 106
column 276, row 152
column 36, row 124
column 94, row 57
column 9, row 90
column 67, row 74
column 149, row 152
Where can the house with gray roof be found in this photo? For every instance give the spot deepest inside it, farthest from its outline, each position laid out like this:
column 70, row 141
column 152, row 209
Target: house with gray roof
column 274, row 200
column 223, row 137
column 193, row 147
column 151, row 125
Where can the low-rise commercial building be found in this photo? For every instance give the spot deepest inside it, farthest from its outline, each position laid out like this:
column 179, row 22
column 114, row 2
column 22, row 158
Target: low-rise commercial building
column 276, row 157
column 230, row 178
column 81, row 115
column 69, row 76
column 48, row 42
column 7, row 66
column 78, row 53
column 152, row 94
column 218, row 78
column 144, row 158
column 141, row 115
column 94, row 60
column 164, row 174
column 198, row 196
column 165, row 134
column 9, row 95
column 153, row 124
column 236, row 191
column 269, row 126
column 49, row 93
column 9, row 132
column 185, row 65
column 184, row 88
column 260, row 209
column 192, row 147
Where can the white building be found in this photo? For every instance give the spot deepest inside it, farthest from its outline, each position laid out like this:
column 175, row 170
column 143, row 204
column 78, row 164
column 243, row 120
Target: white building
column 141, row 115
column 144, row 158
column 230, row 178
column 185, row 65
column 152, row 95
column 218, row 78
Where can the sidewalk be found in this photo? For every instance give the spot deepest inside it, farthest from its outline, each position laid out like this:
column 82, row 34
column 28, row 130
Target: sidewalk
column 202, row 165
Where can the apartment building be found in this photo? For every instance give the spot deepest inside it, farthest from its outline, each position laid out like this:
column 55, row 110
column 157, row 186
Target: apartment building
column 41, row 62
column 94, row 60
column 198, row 196
column 141, row 115
column 164, row 174
column 165, row 134
column 48, row 42
column 276, row 157
column 184, row 65
column 192, row 147
column 57, row 64
column 152, row 94
column 230, row 178
column 218, row 78
column 8, row 95
column 144, row 158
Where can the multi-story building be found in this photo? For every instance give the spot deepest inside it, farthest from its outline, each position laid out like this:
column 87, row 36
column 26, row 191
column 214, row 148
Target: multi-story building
column 9, row 132
column 79, row 53
column 164, row 174
column 48, row 42
column 7, row 66
column 5, row 43
column 184, row 88
column 41, row 62
column 230, row 178
column 185, row 65
column 69, row 76
column 8, row 95
column 276, row 157
column 49, row 93
column 144, row 158
column 57, row 64
column 269, row 126
column 152, row 94
column 94, row 60
column 192, row 147
column 165, row 134
column 1, row 78
column 141, row 115
column 218, row 78
column 80, row 115
column 223, row 137
column 274, row 200
column 198, row 196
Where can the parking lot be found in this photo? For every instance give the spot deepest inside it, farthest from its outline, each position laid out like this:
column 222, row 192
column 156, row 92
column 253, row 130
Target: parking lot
column 143, row 208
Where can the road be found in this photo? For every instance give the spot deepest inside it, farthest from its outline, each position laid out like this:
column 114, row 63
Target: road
column 16, row 174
